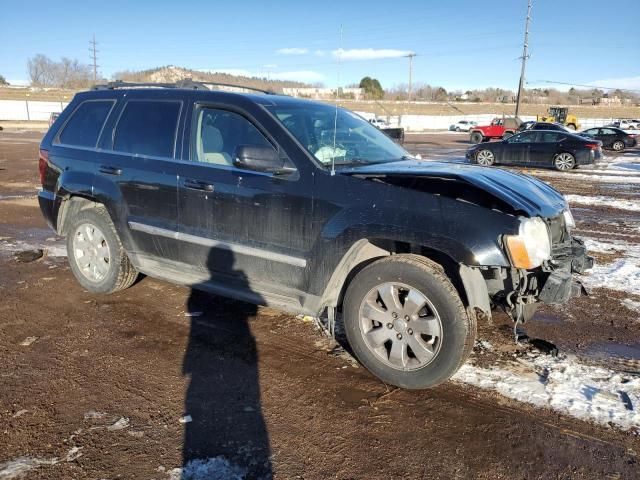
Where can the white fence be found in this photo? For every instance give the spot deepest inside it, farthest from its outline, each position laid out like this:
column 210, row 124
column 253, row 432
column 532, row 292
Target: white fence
column 419, row 123
column 38, row 110
column 28, row 110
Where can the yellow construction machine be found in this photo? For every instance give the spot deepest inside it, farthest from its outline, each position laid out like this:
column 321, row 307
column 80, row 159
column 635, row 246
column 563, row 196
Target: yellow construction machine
column 560, row 115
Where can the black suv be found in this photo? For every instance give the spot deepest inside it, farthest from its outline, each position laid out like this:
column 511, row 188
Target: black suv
column 308, row 208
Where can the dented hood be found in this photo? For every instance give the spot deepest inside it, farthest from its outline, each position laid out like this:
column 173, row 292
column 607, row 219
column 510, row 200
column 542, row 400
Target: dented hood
column 522, row 192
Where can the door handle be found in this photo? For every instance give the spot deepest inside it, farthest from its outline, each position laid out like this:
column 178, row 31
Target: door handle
column 198, row 185
column 109, row 170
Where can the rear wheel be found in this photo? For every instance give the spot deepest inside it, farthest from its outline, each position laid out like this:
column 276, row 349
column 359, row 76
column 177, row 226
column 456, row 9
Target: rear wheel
column 406, row 323
column 564, row 161
column 476, row 137
column 507, row 135
column 485, row 157
column 572, row 126
column 618, row 145
column 96, row 256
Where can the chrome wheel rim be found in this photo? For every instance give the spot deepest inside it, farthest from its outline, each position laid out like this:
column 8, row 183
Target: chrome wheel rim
column 565, row 161
column 485, row 157
column 91, row 252
column 617, row 146
column 400, row 326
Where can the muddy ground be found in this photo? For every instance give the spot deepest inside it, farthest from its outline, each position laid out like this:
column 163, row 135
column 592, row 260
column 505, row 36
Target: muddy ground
column 105, row 385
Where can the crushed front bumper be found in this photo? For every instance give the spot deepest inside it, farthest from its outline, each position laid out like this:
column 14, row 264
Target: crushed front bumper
column 560, row 284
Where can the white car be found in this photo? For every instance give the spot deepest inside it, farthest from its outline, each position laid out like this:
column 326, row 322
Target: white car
column 463, row 126
column 378, row 122
column 628, row 124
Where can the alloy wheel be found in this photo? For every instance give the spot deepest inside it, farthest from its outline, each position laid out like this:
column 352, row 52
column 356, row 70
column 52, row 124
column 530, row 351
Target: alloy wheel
column 618, row 145
column 485, row 158
column 400, row 326
column 565, row 161
column 91, row 252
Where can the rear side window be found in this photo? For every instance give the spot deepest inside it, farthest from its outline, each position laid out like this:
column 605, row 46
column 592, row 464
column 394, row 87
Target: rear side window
column 85, row 124
column 148, row 128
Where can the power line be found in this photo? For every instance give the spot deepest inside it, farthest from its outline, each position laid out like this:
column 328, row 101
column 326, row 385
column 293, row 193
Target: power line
column 525, row 55
column 94, row 57
column 586, row 86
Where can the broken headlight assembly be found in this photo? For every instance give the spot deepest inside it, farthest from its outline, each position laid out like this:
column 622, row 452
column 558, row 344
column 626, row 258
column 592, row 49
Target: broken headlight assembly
column 532, row 246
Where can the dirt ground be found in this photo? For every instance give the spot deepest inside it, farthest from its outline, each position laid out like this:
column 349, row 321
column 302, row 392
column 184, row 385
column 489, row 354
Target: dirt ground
column 133, row 384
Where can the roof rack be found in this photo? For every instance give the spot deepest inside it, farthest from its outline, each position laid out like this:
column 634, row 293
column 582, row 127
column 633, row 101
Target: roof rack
column 187, row 83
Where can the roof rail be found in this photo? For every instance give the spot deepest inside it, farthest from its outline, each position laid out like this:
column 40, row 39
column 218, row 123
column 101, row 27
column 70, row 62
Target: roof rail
column 187, row 83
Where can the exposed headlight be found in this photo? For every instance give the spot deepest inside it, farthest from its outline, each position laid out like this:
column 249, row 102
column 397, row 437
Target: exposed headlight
column 568, row 219
column 531, row 246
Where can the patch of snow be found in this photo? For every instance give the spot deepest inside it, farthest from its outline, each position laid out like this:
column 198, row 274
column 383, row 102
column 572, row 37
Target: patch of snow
column 622, row 275
column 600, row 200
column 14, row 246
column 216, row 468
column 121, row 423
column 631, row 304
column 21, row 465
column 565, row 385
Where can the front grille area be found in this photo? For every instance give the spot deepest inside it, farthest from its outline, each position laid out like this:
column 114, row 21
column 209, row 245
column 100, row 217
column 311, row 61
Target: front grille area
column 559, row 233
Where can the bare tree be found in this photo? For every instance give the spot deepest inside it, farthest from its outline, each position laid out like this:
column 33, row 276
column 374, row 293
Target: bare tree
column 67, row 73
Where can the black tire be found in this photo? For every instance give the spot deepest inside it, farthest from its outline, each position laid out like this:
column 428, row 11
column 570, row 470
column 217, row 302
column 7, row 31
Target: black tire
column 506, row 135
column 476, row 137
column 120, row 272
column 458, row 329
column 485, row 157
column 564, row 161
column 618, row 146
column 572, row 126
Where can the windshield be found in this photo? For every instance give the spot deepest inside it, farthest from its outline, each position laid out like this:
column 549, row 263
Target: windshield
column 339, row 135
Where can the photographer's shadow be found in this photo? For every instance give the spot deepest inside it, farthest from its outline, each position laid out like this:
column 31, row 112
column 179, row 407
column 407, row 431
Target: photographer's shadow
column 223, row 397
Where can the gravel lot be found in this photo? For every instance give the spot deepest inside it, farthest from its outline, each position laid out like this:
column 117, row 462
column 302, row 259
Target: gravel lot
column 136, row 384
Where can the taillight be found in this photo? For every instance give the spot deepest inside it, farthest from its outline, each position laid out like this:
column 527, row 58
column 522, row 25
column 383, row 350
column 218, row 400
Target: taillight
column 593, row 146
column 43, row 160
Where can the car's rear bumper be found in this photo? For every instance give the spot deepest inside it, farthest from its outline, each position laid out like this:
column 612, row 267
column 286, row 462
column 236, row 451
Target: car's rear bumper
column 49, row 207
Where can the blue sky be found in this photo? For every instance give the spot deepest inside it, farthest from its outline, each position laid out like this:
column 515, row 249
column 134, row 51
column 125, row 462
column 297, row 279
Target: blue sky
column 459, row 44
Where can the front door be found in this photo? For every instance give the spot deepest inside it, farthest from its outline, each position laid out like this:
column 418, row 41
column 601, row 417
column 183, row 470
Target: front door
column 515, row 149
column 239, row 226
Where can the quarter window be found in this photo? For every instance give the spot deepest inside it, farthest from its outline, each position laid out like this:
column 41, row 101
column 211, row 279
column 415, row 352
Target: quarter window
column 85, row 124
column 219, row 133
column 148, row 128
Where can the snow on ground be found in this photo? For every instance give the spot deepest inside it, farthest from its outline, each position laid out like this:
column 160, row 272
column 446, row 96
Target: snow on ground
column 216, row 468
column 623, row 274
column 600, row 200
column 606, row 176
column 565, row 385
column 631, row 304
column 52, row 248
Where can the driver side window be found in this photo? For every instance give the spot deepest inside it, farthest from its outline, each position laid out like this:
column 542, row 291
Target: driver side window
column 218, row 133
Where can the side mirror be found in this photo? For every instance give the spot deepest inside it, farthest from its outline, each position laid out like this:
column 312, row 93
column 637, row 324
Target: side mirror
column 258, row 158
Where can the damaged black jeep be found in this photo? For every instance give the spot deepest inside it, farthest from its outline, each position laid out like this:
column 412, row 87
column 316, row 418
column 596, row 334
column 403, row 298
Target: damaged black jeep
column 304, row 207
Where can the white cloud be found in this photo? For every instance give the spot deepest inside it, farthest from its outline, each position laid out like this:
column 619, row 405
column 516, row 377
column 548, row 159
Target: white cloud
column 292, row 51
column 369, row 53
column 320, row 53
column 630, row 83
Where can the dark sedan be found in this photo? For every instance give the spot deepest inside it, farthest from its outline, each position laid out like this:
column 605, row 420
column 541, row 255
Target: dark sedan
column 543, row 126
column 613, row 138
column 538, row 148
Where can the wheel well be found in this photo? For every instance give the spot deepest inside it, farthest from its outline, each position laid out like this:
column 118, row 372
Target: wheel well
column 69, row 208
column 441, row 260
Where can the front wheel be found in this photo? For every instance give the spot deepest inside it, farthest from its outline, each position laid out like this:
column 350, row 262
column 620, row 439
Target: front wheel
column 507, row 135
column 96, row 256
column 618, row 145
column 406, row 323
column 564, row 162
column 485, row 157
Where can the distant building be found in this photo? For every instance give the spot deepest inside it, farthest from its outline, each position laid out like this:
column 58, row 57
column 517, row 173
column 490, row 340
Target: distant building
column 323, row 93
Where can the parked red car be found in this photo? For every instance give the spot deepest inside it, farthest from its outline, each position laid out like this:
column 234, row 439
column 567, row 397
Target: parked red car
column 500, row 127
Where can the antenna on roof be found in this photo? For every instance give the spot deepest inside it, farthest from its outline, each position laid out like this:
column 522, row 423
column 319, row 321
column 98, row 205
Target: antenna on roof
column 335, row 117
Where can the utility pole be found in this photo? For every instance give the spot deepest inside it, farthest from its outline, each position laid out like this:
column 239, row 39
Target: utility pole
column 410, row 57
column 94, row 57
column 525, row 55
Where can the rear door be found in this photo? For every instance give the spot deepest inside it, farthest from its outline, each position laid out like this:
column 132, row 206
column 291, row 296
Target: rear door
column 607, row 136
column 138, row 176
column 542, row 151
